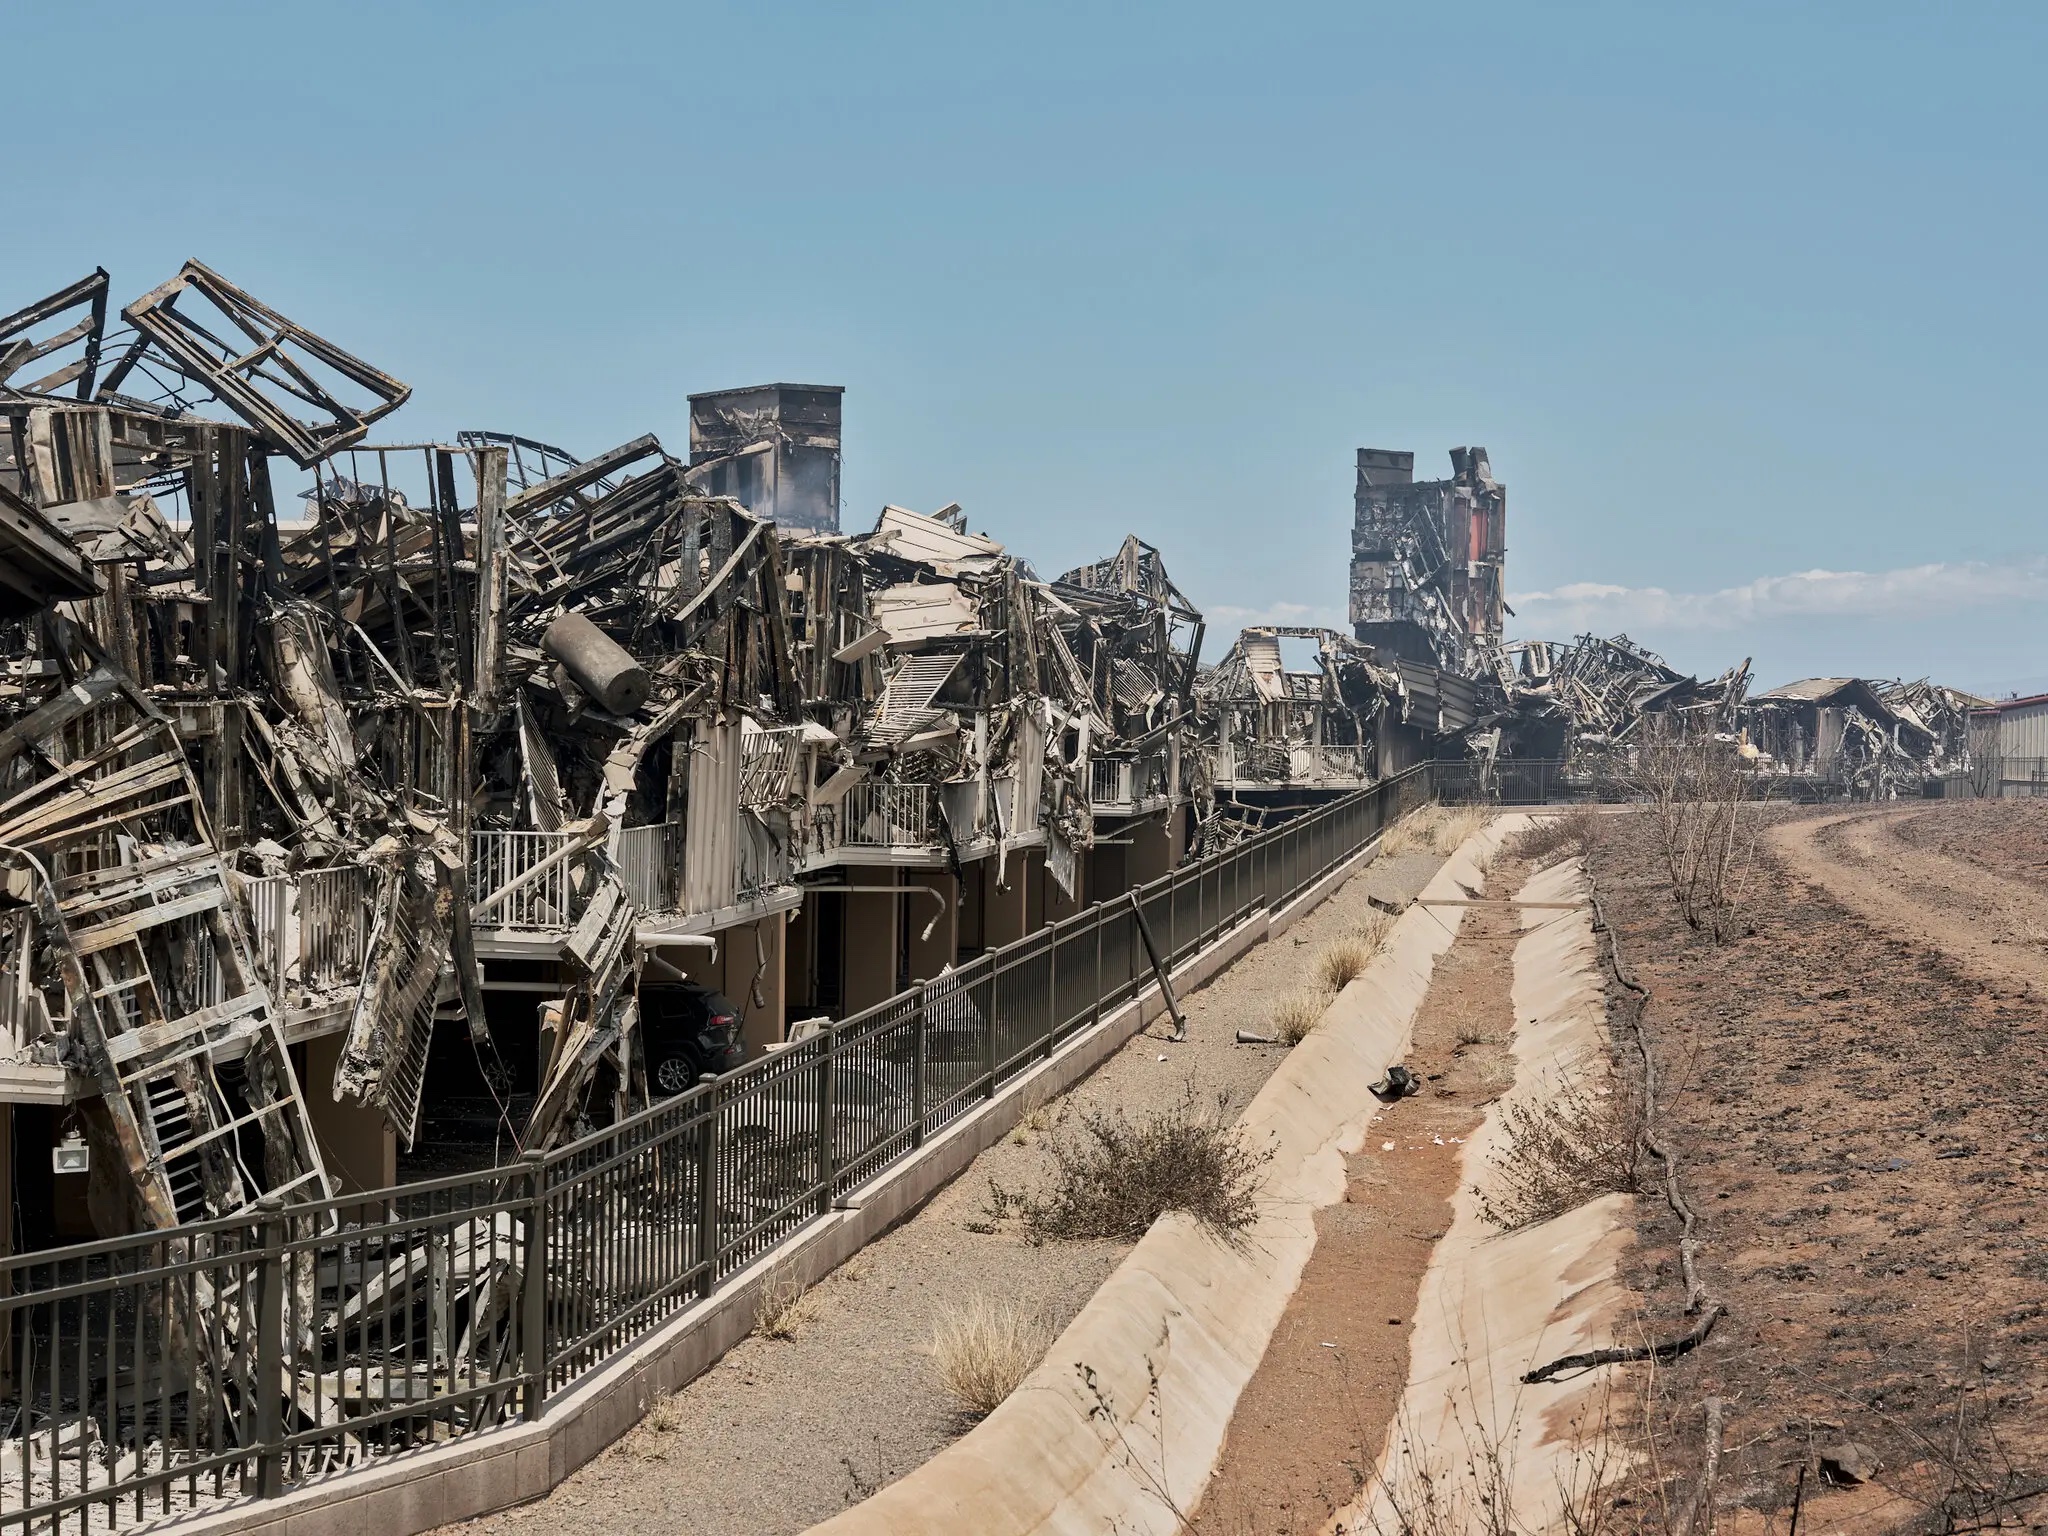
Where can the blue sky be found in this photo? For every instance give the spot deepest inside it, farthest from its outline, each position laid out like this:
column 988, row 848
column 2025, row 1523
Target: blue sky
column 1731, row 295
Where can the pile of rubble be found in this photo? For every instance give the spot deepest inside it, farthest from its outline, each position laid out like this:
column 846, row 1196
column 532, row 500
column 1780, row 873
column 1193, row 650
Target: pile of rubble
column 289, row 760
column 1591, row 703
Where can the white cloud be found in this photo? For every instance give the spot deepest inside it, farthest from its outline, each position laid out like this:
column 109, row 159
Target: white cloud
column 1915, row 591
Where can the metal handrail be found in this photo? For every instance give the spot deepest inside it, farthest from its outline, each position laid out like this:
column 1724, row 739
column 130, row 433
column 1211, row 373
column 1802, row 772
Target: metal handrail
column 437, row 1309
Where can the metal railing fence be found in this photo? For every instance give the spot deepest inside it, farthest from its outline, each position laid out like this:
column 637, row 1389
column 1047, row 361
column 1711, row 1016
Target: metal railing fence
column 497, row 858
column 650, row 861
column 158, row 1373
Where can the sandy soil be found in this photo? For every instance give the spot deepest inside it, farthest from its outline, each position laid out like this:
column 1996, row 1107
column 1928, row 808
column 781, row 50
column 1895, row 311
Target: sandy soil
column 784, row 1433
column 1874, row 864
column 1859, row 1096
column 1314, row 1416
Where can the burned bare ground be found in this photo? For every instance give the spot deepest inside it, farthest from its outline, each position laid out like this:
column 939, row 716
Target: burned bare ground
column 1863, row 1124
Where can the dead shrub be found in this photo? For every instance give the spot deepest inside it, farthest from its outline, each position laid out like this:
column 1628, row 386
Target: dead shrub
column 1570, row 832
column 1297, row 1014
column 784, row 1303
column 1113, row 1176
column 1708, row 819
column 1342, row 963
column 1583, row 1141
column 982, row 1349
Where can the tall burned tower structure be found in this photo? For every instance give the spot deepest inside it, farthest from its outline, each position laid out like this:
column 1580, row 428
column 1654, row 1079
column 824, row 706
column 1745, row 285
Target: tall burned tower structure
column 1426, row 558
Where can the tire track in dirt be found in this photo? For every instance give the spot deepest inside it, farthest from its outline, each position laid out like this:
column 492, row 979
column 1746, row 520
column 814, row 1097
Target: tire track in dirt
column 1989, row 925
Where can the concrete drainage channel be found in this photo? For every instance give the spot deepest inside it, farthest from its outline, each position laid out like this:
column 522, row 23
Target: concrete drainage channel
column 495, row 1469
column 1123, row 1422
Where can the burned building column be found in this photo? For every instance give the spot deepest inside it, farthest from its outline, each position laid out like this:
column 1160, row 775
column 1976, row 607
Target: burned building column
column 1006, row 908
column 874, row 936
column 754, row 960
column 356, row 1140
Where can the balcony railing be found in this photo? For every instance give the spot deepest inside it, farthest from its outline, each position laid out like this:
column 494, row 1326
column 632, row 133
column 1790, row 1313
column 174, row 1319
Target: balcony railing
column 498, row 858
column 310, row 930
column 879, row 816
column 649, row 858
column 1346, row 762
column 1120, row 785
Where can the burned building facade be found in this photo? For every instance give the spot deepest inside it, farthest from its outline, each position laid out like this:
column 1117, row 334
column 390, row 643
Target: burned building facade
column 1426, row 559
column 364, row 800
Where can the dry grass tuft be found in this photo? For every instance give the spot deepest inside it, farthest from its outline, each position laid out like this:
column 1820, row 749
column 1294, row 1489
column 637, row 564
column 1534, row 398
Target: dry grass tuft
column 785, row 1304
column 1113, row 1176
column 1583, row 1141
column 1572, row 831
column 1437, row 829
column 1373, row 929
column 1297, row 1014
column 666, row 1416
column 1454, row 824
column 1343, row 962
column 983, row 1349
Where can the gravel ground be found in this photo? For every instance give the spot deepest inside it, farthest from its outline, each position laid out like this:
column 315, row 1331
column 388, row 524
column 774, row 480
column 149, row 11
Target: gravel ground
column 1857, row 1093
column 783, row 1433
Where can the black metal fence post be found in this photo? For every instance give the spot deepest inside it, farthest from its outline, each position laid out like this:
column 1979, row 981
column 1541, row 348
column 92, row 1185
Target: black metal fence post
column 1052, row 987
column 828, row 1142
column 270, row 1283
column 533, row 1289
column 707, row 1190
column 1095, row 1010
column 989, row 1046
column 918, row 1052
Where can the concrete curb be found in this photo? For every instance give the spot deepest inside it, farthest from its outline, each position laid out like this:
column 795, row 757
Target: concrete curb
column 477, row 1474
column 1495, row 1304
column 1112, row 1450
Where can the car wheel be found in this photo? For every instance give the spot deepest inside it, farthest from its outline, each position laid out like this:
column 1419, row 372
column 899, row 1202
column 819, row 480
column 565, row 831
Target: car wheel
column 673, row 1074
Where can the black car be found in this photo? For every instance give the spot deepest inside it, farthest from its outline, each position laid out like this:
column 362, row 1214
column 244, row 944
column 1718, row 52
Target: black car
column 687, row 1030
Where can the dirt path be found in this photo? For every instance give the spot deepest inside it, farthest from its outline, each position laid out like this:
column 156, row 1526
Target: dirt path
column 784, row 1433
column 1313, row 1417
column 1993, row 926
column 1859, row 1093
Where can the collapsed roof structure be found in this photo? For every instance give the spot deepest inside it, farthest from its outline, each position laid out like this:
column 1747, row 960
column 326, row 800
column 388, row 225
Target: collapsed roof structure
column 327, row 805
column 1590, row 703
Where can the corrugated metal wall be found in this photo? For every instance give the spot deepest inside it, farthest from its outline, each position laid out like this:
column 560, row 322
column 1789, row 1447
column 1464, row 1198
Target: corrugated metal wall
column 2023, row 732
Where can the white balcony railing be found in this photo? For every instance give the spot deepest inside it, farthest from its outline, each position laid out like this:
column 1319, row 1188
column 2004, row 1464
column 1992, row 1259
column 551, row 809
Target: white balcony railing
column 497, row 858
column 1121, row 785
column 1346, row 762
column 310, row 930
column 880, row 816
column 649, row 860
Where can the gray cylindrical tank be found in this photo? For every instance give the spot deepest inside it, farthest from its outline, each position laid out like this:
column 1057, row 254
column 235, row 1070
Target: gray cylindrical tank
column 602, row 667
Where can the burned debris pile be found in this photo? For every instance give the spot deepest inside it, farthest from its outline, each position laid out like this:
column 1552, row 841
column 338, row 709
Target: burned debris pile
column 333, row 766
column 1591, row 704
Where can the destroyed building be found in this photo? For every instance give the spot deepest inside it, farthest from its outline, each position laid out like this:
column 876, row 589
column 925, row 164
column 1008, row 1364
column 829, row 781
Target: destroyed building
column 360, row 795
column 774, row 449
column 1589, row 706
column 1427, row 558
column 1282, row 736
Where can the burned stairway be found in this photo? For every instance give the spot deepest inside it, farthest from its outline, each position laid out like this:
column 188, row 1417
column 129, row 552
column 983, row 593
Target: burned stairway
column 98, row 799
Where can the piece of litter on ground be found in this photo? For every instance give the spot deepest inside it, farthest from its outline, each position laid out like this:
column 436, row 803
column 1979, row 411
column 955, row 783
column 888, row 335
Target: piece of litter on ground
column 1329, row 1343
column 1386, row 1146
column 1162, row 1058
column 1436, row 1141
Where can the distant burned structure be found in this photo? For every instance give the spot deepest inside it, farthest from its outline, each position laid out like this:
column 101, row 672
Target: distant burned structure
column 773, row 448
column 1426, row 559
